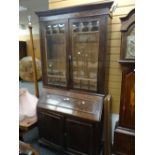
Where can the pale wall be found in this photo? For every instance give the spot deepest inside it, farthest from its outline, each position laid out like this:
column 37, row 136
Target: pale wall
column 115, row 74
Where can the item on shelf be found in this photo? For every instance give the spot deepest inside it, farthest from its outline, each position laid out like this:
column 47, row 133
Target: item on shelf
column 61, row 28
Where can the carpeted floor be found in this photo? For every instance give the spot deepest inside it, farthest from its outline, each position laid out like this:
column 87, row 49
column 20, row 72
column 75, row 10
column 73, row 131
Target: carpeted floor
column 30, row 86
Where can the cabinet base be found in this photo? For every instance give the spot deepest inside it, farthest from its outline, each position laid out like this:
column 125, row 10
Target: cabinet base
column 59, row 149
column 50, row 145
column 124, row 141
column 54, row 147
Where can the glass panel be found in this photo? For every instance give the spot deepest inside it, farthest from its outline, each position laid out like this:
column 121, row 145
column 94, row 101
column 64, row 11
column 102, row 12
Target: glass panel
column 56, row 54
column 130, row 51
column 85, row 47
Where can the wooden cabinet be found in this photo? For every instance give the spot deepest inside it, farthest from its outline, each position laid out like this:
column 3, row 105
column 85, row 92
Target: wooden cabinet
column 124, row 134
column 71, row 121
column 74, row 47
column 22, row 49
column 75, row 58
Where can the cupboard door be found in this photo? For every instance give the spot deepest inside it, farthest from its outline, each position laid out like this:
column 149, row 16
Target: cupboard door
column 55, row 52
column 125, row 142
column 79, row 137
column 127, row 108
column 84, row 34
column 51, row 127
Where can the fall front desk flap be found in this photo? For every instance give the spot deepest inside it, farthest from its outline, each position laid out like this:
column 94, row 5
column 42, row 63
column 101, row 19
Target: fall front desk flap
column 88, row 106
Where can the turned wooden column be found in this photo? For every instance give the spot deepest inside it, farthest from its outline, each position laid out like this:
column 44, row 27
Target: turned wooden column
column 33, row 60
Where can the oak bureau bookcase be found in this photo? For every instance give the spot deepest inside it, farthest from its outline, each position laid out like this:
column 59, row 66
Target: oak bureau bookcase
column 74, row 53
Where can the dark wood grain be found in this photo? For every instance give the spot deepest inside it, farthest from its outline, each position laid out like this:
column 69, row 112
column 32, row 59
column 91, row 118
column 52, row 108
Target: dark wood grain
column 125, row 138
column 79, row 136
column 83, row 106
column 68, row 126
column 127, row 107
column 22, row 49
column 99, row 11
column 79, row 8
column 51, row 127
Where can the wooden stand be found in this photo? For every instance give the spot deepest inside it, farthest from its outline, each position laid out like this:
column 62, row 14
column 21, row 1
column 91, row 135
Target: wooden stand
column 27, row 148
column 26, row 125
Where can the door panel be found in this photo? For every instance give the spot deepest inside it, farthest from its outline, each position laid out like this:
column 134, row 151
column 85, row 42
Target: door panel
column 51, row 127
column 127, row 110
column 55, row 45
column 79, row 137
column 84, row 34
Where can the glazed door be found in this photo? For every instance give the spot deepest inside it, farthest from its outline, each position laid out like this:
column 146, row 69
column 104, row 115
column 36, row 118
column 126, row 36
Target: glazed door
column 55, row 53
column 79, row 137
column 51, row 127
column 84, row 39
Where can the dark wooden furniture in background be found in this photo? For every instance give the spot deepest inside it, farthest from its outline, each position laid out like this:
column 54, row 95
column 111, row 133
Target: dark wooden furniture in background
column 71, row 121
column 26, row 125
column 74, row 49
column 22, row 49
column 75, row 62
column 25, row 148
column 124, row 134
